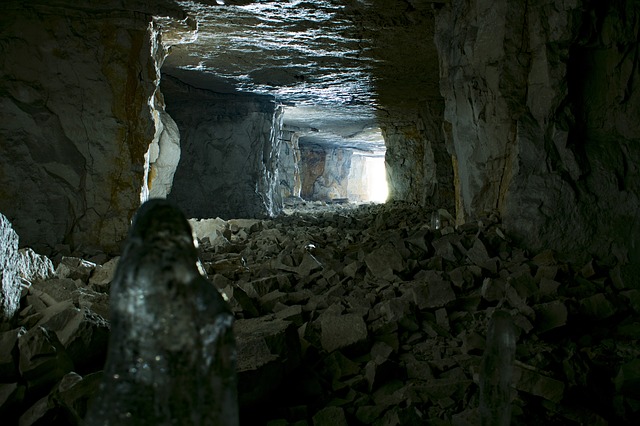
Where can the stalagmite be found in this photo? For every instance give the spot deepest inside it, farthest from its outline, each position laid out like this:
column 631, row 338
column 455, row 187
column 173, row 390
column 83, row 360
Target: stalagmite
column 171, row 357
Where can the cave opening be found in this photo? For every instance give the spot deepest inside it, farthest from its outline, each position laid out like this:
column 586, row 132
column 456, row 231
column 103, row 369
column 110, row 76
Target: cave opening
column 332, row 155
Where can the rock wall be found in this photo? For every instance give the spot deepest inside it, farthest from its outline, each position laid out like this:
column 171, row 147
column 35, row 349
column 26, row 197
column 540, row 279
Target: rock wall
column 324, row 172
column 357, row 189
column 229, row 152
column 76, row 82
column 410, row 110
column 289, row 165
column 542, row 103
column 418, row 162
column 161, row 160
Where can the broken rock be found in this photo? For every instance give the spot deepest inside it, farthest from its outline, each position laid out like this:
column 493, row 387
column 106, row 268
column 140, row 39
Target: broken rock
column 9, row 270
column 342, row 331
column 268, row 349
column 33, row 266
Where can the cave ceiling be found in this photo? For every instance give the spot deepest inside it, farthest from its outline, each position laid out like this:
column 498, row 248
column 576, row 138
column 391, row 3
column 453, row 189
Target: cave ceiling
column 335, row 65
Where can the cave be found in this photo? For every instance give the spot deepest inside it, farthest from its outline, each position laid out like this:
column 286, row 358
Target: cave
column 511, row 122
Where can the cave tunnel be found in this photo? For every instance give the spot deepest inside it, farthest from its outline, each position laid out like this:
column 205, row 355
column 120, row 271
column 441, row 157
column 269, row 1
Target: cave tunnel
column 486, row 151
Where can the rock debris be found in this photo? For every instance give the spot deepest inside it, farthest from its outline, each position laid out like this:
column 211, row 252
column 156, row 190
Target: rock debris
column 364, row 315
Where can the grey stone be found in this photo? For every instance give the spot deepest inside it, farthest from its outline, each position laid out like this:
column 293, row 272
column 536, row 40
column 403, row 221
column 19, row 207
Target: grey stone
column 74, row 393
column 268, row 350
column 269, row 300
column 330, row 416
column 444, row 247
column 55, row 290
column 75, row 269
column 479, row 256
column 258, row 288
column 92, row 302
column 550, row 315
column 493, row 289
column 308, row 265
column 67, row 401
column 36, row 413
column 102, row 275
column 11, row 396
column 415, row 368
column 342, row 331
column 633, row 297
column 627, row 381
column 291, row 313
column 83, row 333
column 597, row 306
column 246, row 303
column 384, row 261
column 439, row 294
column 34, row 266
column 8, row 343
column 393, row 310
column 10, row 291
column 43, row 359
column 530, row 381
column 241, row 175
column 75, row 191
column 339, row 367
column 548, row 287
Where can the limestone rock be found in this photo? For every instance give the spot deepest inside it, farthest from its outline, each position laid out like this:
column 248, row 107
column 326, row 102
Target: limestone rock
column 10, row 291
column 161, row 161
column 268, row 351
column 342, row 331
column 550, row 315
column 628, row 379
column 384, row 261
column 241, row 175
column 8, row 344
column 208, row 228
column 74, row 268
column 43, row 359
column 85, row 187
column 34, row 266
column 83, row 333
column 489, row 81
column 102, row 275
column 330, row 416
column 11, row 396
column 428, row 345
column 66, row 403
column 530, row 381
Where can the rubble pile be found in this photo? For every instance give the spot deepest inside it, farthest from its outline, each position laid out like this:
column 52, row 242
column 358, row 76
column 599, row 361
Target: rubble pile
column 364, row 315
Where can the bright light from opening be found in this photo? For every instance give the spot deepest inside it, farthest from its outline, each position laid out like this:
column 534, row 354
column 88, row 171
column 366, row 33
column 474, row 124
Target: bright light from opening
column 376, row 179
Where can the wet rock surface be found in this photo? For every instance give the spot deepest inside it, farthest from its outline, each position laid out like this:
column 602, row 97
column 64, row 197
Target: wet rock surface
column 171, row 354
column 367, row 315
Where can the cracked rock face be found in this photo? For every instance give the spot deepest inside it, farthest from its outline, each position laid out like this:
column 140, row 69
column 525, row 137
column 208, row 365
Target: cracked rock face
column 77, row 83
column 527, row 108
column 541, row 101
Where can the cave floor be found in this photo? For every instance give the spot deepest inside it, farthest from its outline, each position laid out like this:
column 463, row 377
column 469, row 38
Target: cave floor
column 366, row 314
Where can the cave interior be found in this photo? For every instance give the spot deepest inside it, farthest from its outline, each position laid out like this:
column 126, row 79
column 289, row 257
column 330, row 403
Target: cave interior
column 522, row 110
